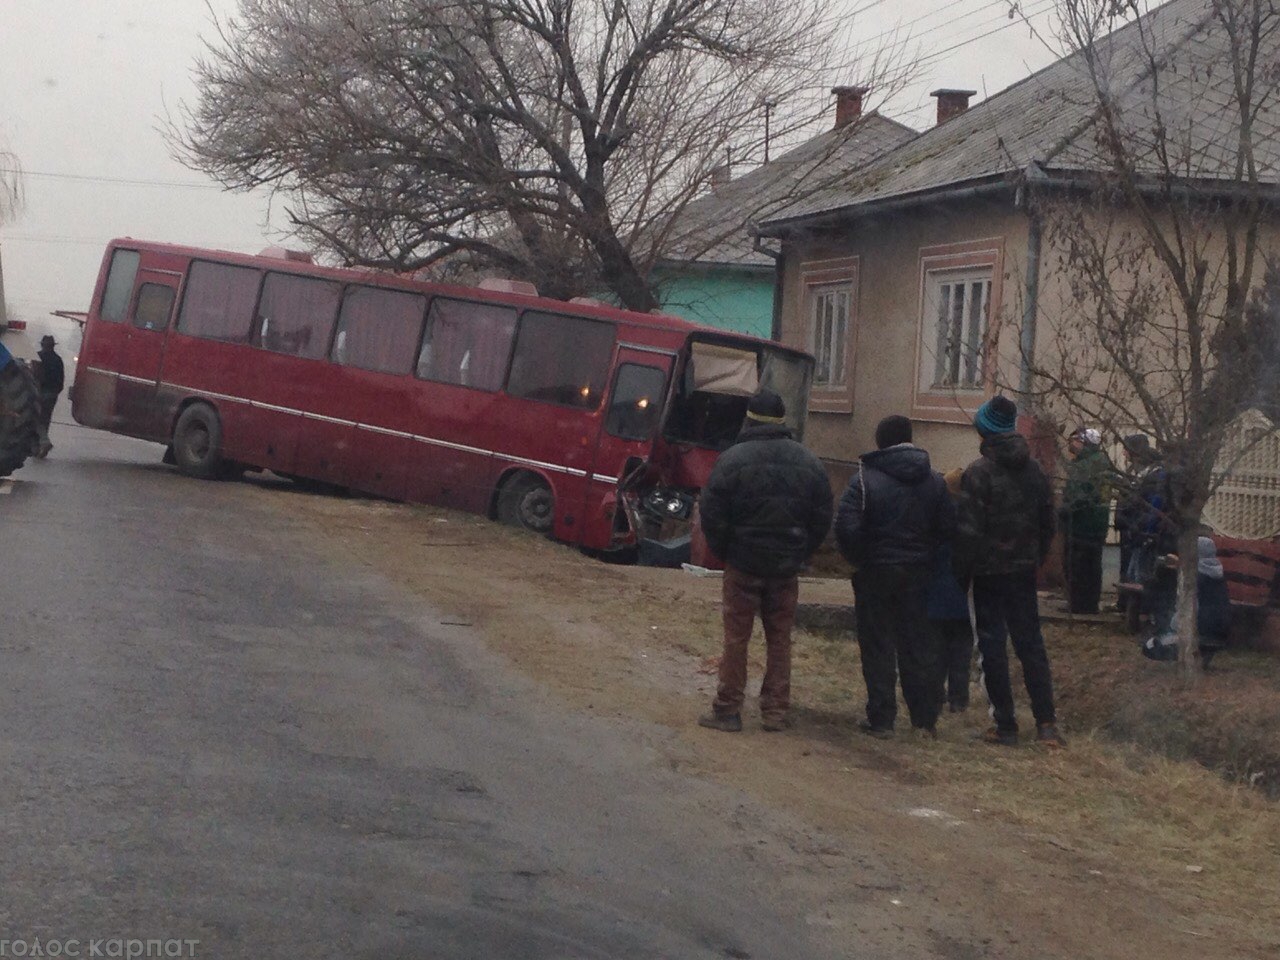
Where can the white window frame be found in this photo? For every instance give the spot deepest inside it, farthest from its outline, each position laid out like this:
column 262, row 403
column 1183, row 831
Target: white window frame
column 955, row 331
column 830, row 318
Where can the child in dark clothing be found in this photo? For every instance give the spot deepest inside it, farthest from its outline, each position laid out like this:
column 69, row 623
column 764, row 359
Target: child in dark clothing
column 1213, row 610
column 947, row 606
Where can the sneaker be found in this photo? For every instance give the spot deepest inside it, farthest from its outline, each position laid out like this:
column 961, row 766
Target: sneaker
column 43, row 450
column 880, row 733
column 999, row 738
column 730, row 723
column 775, row 724
column 925, row 733
column 1047, row 733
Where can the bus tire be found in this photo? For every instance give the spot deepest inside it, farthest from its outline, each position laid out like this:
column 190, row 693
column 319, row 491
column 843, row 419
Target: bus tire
column 526, row 500
column 197, row 443
column 19, row 413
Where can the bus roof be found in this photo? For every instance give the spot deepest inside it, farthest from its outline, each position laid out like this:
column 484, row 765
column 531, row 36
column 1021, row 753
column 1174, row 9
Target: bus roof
column 387, row 278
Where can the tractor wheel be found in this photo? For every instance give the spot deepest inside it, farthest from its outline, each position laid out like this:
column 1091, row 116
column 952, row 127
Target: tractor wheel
column 19, row 415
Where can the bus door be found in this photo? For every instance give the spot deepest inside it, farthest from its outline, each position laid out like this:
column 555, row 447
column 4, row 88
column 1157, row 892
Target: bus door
column 631, row 422
column 142, row 353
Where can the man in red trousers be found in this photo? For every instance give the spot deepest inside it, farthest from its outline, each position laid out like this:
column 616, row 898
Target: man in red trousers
column 765, row 509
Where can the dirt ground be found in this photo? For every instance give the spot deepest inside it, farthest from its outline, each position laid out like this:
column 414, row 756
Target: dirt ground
column 1099, row 851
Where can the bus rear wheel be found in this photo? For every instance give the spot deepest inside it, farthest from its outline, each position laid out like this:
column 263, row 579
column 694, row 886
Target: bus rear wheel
column 527, row 501
column 197, row 443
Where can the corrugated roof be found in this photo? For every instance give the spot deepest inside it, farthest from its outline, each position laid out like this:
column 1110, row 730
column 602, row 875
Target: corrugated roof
column 713, row 228
column 1047, row 119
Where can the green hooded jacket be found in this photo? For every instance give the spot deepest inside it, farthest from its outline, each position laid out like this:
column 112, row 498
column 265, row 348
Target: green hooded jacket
column 1086, row 499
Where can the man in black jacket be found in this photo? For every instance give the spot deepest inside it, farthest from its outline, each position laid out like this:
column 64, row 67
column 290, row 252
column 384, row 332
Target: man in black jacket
column 1006, row 525
column 893, row 517
column 765, row 509
column 51, row 381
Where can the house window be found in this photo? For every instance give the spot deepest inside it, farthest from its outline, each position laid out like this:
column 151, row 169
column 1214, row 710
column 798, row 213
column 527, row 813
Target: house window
column 957, row 313
column 829, row 311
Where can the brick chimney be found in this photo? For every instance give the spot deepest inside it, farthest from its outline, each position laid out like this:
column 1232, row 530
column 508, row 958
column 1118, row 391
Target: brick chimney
column 848, row 104
column 721, row 175
column 951, row 103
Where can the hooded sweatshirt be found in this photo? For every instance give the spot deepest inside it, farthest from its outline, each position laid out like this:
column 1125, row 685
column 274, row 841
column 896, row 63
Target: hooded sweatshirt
column 1005, row 511
column 896, row 509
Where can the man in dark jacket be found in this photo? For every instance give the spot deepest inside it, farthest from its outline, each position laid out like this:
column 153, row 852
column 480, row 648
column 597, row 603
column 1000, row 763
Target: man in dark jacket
column 51, row 380
column 1005, row 529
column 1085, row 514
column 893, row 517
column 765, row 509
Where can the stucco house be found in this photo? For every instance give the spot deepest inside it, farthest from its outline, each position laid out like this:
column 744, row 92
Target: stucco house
column 713, row 272
column 917, row 280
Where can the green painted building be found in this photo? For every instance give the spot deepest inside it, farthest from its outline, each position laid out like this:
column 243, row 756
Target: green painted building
column 737, row 297
column 713, row 273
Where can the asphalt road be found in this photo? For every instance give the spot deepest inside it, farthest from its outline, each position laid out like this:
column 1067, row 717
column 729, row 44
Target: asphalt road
column 210, row 732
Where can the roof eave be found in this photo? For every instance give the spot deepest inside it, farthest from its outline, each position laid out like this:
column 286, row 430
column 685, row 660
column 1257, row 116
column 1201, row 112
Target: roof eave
column 1184, row 188
column 699, row 263
column 962, row 190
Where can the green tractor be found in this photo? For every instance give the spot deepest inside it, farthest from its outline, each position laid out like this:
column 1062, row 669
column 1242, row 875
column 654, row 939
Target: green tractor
column 19, row 408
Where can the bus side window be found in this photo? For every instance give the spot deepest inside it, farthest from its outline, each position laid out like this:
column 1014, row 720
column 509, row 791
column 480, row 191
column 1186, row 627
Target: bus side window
column 296, row 314
column 636, row 401
column 379, row 329
column 218, row 302
column 561, row 359
column 467, row 343
column 115, row 298
column 151, row 312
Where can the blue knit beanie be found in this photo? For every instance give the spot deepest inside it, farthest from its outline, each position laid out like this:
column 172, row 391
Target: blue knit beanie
column 997, row 415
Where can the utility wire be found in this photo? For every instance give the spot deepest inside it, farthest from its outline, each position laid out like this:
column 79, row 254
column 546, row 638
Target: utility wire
column 124, row 181
column 1017, row 21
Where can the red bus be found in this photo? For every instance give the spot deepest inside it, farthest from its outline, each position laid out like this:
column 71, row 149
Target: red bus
column 593, row 425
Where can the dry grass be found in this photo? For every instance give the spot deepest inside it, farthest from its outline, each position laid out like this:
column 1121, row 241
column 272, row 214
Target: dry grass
column 1211, row 845
column 1127, row 800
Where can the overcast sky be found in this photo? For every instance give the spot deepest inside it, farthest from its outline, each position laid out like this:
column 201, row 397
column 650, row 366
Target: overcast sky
column 84, row 85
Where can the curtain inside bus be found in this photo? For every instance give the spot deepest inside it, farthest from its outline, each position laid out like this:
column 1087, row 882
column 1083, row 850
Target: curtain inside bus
column 710, row 403
column 379, row 329
column 296, row 314
column 218, row 302
column 467, row 343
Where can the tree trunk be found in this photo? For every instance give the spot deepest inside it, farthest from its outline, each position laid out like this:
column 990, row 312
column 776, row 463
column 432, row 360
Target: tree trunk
column 1188, row 606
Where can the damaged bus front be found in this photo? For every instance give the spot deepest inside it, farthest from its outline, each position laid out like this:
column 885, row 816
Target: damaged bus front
column 702, row 413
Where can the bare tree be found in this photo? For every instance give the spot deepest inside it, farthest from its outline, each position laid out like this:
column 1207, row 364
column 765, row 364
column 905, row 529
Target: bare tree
column 1156, row 236
column 555, row 139
column 11, row 187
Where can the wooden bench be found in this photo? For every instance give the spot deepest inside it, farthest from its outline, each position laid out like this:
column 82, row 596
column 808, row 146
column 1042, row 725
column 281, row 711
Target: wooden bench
column 1251, row 568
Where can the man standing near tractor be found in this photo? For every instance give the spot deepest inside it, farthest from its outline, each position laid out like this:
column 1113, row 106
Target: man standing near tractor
column 50, row 381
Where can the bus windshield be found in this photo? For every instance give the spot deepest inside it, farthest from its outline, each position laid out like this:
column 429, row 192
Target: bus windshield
column 718, row 378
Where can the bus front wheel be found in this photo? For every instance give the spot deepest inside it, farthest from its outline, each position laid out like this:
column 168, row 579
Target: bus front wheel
column 527, row 501
column 197, row 443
